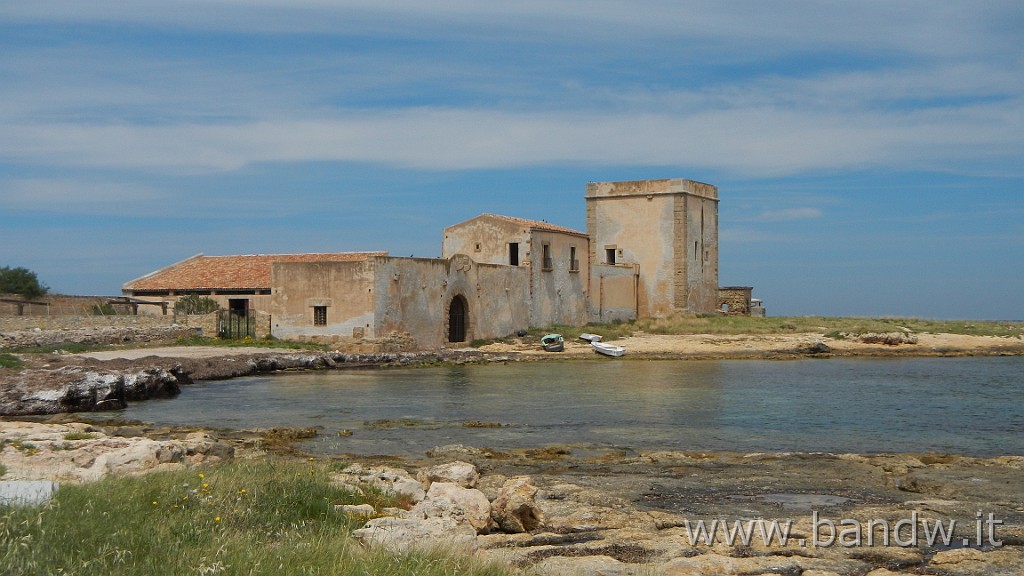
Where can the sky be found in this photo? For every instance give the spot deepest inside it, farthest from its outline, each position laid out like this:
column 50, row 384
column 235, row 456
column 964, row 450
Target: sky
column 869, row 155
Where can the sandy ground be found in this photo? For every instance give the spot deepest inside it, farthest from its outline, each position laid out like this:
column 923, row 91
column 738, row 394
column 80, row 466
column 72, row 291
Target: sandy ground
column 181, row 352
column 752, row 345
column 657, row 345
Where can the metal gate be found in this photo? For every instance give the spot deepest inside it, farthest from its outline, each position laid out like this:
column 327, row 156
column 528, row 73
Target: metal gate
column 234, row 325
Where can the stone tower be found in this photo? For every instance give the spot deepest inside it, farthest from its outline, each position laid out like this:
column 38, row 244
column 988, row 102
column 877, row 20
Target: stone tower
column 668, row 231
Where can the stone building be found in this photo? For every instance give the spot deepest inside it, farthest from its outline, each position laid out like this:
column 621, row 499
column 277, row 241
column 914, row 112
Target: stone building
column 650, row 250
column 432, row 300
column 555, row 258
column 668, row 230
column 238, row 283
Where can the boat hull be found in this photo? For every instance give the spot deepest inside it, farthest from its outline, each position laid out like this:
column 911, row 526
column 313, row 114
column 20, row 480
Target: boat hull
column 608, row 349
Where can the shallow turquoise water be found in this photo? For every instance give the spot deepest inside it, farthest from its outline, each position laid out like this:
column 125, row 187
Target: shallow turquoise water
column 960, row 405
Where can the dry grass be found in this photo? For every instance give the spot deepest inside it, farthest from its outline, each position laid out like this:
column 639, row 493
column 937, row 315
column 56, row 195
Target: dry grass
column 739, row 325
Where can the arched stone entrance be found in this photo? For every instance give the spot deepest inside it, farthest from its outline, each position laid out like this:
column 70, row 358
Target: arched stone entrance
column 458, row 319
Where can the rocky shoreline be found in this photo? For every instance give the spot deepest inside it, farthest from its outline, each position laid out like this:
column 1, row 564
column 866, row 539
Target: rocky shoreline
column 568, row 510
column 55, row 383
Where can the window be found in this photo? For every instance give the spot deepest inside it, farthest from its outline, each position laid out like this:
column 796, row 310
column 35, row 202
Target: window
column 574, row 264
column 319, row 315
column 609, row 255
column 547, row 264
column 513, row 253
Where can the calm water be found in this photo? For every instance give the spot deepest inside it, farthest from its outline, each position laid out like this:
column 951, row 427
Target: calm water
column 962, row 405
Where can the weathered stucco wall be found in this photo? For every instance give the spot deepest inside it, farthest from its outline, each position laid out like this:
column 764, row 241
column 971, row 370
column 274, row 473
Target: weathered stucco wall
column 485, row 239
column 414, row 295
column 696, row 289
column 407, row 295
column 345, row 289
column 613, row 295
column 559, row 285
column 659, row 225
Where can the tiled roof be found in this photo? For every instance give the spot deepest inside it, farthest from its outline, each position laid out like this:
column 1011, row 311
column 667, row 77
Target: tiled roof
column 251, row 271
column 535, row 224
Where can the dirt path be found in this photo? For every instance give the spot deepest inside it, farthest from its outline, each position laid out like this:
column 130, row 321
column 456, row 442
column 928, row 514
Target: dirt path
column 181, row 352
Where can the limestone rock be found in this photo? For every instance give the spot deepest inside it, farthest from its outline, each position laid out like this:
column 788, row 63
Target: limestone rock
column 400, row 535
column 447, row 500
column 968, row 561
column 718, row 564
column 462, row 473
column 393, row 481
column 585, row 566
column 26, row 492
column 84, row 453
column 888, row 338
column 356, row 510
column 515, row 509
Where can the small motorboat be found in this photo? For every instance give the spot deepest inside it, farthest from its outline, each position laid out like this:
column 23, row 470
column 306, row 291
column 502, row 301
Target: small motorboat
column 553, row 342
column 608, row 349
column 590, row 337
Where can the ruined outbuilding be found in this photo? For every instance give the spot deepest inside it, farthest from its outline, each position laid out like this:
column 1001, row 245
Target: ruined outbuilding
column 650, row 250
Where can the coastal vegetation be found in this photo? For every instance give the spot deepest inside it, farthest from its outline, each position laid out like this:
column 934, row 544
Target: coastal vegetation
column 77, row 348
column 21, row 281
column 11, row 361
column 833, row 327
column 271, row 516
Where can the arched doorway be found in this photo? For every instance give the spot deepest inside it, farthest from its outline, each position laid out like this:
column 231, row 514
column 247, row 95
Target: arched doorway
column 458, row 318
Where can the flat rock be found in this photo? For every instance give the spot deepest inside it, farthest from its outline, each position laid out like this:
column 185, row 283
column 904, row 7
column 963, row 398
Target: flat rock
column 26, row 492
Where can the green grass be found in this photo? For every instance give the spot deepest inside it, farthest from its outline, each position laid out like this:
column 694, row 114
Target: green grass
column 11, row 361
column 252, row 517
column 249, row 343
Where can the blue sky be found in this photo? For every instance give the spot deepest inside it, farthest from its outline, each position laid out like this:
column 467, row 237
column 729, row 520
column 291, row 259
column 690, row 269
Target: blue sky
column 869, row 155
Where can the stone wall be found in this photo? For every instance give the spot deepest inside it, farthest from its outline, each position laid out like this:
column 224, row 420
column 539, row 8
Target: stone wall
column 94, row 335
column 735, row 300
column 14, row 323
column 53, row 305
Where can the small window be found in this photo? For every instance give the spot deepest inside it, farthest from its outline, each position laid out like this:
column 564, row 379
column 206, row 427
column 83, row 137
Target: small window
column 574, row 264
column 609, row 254
column 513, row 253
column 548, row 263
column 477, row 248
column 319, row 315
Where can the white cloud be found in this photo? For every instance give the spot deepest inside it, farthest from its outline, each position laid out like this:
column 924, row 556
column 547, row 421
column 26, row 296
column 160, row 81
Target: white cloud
column 89, row 106
column 757, row 141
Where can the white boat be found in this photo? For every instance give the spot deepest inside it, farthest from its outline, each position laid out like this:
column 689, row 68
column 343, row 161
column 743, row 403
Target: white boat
column 590, row 337
column 608, row 349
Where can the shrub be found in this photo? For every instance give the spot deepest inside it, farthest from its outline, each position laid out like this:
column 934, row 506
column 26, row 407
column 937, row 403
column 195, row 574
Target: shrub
column 21, row 281
column 195, row 304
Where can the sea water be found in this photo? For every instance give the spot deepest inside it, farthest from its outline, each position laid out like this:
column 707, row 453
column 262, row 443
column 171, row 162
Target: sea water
column 971, row 406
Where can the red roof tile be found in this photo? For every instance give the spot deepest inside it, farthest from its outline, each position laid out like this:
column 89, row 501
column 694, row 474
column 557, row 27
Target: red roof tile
column 245, row 272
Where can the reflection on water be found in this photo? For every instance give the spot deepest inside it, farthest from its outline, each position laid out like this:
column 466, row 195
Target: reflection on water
column 962, row 405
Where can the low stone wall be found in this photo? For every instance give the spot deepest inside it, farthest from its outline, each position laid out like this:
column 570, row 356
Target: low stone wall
column 16, row 323
column 96, row 335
